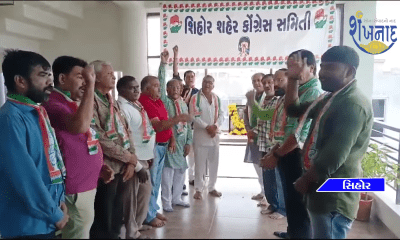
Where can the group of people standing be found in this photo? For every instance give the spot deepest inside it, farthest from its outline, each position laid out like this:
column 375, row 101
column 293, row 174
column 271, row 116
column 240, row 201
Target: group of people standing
column 303, row 130
column 74, row 159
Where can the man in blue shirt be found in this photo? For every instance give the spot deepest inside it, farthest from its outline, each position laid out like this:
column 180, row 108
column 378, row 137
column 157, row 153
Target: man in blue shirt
column 31, row 168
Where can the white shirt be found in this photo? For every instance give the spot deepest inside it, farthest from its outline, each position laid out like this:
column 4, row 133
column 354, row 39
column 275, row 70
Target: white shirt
column 207, row 117
column 143, row 151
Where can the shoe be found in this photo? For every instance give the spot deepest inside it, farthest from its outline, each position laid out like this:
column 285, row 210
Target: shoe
column 184, row 193
column 182, row 204
column 283, row 235
column 184, row 186
column 191, row 182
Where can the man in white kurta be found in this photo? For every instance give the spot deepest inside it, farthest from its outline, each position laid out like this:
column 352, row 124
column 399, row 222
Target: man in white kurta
column 137, row 204
column 205, row 106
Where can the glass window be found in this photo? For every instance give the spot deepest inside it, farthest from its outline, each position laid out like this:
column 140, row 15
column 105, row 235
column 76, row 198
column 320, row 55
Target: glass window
column 378, row 106
column 231, row 85
column 153, row 35
column 153, row 64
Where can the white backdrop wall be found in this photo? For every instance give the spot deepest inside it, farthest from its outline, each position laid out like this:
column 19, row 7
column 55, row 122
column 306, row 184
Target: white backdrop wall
column 96, row 36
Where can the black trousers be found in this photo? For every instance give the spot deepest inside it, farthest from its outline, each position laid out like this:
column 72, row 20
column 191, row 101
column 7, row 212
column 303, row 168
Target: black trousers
column 108, row 209
column 298, row 219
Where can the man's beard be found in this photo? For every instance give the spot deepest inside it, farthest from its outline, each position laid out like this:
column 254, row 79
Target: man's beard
column 36, row 95
column 279, row 92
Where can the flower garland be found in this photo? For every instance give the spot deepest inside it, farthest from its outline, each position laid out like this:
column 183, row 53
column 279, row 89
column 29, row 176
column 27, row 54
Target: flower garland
column 237, row 122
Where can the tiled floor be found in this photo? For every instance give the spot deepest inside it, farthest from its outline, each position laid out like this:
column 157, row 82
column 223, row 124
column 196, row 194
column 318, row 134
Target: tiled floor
column 235, row 215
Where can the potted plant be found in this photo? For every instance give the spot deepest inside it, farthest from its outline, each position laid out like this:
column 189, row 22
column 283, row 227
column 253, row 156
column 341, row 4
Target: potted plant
column 375, row 164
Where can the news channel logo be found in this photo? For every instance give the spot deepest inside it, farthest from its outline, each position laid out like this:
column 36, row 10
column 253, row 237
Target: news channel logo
column 372, row 36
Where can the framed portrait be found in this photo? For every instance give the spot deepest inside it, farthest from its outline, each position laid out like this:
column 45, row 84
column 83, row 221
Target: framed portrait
column 240, row 110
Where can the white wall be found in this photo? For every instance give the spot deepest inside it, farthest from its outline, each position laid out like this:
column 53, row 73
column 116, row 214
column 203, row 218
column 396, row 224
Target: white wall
column 9, row 40
column 96, row 36
column 12, row 41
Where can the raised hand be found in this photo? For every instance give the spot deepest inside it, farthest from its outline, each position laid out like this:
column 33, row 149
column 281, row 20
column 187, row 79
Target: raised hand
column 187, row 95
column 88, row 74
column 296, row 66
column 175, row 49
column 164, row 56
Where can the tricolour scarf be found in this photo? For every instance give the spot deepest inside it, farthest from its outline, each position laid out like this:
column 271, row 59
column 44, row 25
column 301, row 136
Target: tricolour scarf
column 54, row 160
column 178, row 110
column 281, row 131
column 92, row 136
column 114, row 125
column 148, row 130
column 309, row 148
column 195, row 101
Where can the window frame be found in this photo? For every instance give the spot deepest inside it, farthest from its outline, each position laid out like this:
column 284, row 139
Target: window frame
column 149, row 15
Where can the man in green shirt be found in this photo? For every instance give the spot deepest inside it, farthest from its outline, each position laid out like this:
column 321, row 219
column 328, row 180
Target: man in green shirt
column 338, row 138
column 288, row 151
column 173, row 175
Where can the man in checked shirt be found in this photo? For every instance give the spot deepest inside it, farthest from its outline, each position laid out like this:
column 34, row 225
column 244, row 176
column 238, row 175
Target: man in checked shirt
column 272, row 183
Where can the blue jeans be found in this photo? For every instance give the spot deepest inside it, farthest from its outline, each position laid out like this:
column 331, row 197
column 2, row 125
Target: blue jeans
column 274, row 190
column 155, row 175
column 331, row 225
